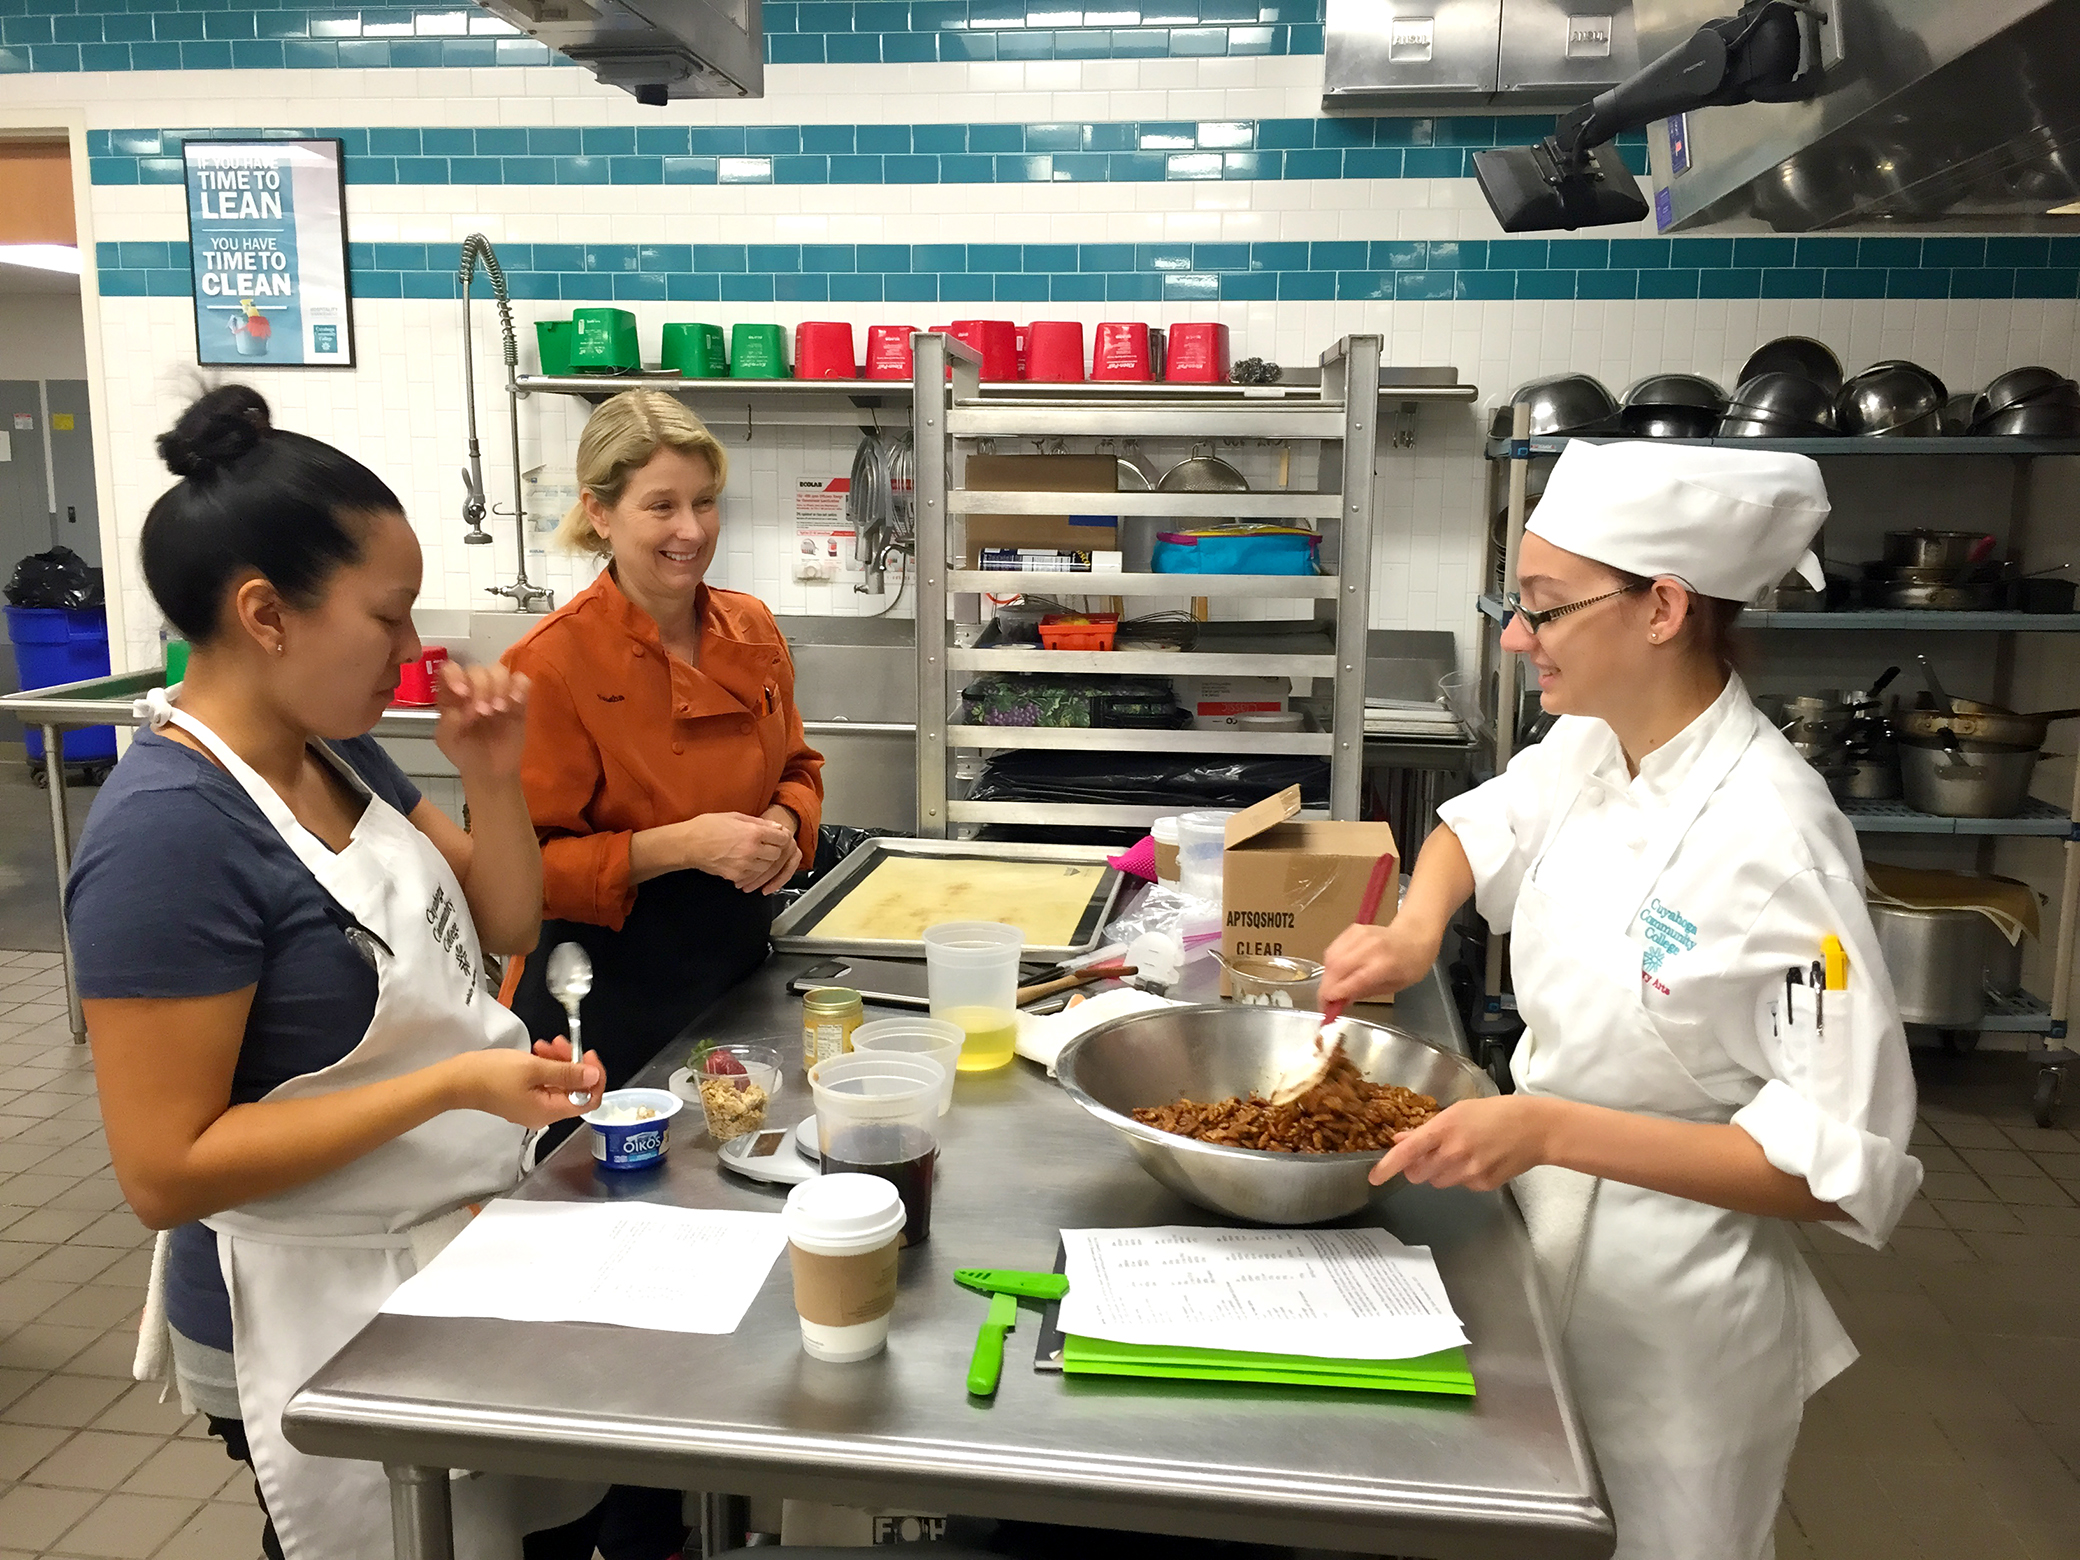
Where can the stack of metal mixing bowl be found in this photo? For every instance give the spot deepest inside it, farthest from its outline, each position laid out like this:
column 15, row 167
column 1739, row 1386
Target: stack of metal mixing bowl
column 1560, row 404
column 1892, row 399
column 2031, row 402
column 1672, row 406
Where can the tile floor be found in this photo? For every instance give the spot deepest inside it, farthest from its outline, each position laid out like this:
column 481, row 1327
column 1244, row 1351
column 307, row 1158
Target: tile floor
column 1955, row 1437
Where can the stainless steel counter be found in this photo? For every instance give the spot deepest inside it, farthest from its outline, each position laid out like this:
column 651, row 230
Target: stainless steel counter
column 1505, row 1476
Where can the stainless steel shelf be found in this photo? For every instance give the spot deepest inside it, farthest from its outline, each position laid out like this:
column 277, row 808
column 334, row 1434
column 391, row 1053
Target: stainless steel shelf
column 1867, row 622
column 1101, row 739
column 1172, row 506
column 990, row 418
column 2036, row 818
column 868, row 390
column 1947, row 447
column 1048, row 582
column 1141, row 663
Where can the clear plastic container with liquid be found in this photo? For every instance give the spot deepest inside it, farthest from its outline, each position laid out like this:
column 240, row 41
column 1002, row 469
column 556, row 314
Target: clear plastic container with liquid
column 972, row 973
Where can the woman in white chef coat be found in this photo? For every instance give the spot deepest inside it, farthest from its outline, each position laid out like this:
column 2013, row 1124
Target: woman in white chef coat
column 1663, row 861
column 303, row 1074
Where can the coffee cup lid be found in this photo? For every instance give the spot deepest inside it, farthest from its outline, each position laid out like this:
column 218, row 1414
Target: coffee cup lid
column 844, row 1208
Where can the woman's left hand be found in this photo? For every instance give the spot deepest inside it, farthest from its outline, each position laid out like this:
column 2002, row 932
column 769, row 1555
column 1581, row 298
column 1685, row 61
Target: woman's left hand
column 483, row 719
column 1475, row 1143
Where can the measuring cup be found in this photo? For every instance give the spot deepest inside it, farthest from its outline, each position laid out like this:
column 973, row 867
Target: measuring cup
column 971, row 970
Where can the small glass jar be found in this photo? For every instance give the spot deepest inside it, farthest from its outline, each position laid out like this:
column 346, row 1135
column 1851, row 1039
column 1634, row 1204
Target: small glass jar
column 829, row 1016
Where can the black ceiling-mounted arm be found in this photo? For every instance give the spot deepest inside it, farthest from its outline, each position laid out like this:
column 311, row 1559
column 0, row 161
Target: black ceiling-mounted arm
column 1572, row 179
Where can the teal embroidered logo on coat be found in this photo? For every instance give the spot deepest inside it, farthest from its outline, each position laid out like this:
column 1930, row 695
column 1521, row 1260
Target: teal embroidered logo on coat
column 1668, row 932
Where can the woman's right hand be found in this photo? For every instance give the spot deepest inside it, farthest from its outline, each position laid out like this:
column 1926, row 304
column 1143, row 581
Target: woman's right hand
column 734, row 846
column 529, row 1090
column 1370, row 961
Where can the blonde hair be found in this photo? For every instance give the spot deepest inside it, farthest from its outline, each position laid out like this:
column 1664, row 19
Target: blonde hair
column 619, row 440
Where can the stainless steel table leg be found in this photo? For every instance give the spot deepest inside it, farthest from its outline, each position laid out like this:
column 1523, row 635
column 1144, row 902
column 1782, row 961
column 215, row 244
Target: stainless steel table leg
column 61, row 848
column 422, row 1526
column 724, row 1519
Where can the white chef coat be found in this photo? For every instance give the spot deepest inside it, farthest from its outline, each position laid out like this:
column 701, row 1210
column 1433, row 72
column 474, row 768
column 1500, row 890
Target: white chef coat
column 1695, row 1334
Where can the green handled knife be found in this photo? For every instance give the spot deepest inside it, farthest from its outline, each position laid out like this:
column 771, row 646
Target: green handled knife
column 1011, row 1281
column 987, row 1364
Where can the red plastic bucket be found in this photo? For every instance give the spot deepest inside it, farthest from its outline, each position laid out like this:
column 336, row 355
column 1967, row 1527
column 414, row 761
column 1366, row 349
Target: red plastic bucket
column 996, row 340
column 1054, row 351
column 888, row 351
column 823, row 350
column 1120, row 351
column 1198, row 354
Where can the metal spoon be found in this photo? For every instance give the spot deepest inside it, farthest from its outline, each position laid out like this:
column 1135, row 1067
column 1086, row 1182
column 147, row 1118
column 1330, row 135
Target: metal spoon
column 569, row 978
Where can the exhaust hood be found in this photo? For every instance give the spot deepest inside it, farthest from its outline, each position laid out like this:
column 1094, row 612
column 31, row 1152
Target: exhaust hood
column 1405, row 56
column 1929, row 114
column 655, row 49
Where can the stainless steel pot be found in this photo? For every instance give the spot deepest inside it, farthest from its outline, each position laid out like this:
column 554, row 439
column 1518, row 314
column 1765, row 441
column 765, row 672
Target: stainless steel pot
column 1937, row 549
column 1992, row 782
column 1937, row 959
column 1872, row 778
column 1911, row 597
column 2003, row 964
column 1974, row 722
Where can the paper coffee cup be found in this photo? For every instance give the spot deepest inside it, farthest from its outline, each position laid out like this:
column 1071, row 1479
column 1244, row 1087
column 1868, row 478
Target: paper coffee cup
column 843, row 1232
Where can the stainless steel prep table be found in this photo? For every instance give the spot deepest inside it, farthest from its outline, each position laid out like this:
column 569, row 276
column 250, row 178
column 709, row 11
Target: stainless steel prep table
column 1506, row 1476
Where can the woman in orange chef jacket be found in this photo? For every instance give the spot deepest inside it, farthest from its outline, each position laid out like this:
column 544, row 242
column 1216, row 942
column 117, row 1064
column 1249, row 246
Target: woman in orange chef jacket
column 665, row 767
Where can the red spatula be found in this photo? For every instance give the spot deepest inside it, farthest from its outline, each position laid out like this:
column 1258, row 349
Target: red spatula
column 1332, row 1012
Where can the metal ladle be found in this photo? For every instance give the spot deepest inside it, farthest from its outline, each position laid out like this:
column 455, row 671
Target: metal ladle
column 569, row 979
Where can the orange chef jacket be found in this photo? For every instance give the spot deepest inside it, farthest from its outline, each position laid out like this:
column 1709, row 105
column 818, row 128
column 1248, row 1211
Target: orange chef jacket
column 622, row 736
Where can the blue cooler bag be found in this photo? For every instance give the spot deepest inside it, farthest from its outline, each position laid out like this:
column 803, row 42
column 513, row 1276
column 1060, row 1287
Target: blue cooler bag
column 1238, row 549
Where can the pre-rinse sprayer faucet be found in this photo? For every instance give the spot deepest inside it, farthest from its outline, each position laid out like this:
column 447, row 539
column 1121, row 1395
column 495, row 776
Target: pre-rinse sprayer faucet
column 524, row 594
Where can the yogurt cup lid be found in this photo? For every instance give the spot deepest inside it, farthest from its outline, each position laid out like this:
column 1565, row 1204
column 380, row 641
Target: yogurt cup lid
column 844, row 1209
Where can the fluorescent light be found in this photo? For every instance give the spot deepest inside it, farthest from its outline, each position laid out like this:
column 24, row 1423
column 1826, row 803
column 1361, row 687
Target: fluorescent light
column 42, row 257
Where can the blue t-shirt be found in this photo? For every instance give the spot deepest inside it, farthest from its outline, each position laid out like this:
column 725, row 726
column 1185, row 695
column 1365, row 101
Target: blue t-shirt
column 182, row 888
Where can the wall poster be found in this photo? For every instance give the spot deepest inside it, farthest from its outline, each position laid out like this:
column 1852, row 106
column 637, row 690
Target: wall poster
column 267, row 239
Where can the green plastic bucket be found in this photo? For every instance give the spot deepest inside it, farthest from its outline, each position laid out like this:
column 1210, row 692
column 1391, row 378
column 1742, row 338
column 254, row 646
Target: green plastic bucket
column 176, row 661
column 695, row 351
column 555, row 338
column 606, row 342
column 758, row 352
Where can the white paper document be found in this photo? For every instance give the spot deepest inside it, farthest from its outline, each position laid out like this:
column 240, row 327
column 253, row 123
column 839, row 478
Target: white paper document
column 629, row 1264
column 1341, row 1294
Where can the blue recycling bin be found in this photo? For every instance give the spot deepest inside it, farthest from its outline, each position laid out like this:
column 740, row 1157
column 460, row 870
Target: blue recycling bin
column 58, row 645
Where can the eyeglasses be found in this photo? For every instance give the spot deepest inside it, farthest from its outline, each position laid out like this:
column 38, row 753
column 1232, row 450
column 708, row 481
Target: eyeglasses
column 1534, row 621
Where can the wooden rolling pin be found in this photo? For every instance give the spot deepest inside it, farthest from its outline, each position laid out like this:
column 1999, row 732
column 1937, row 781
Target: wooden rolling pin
column 1048, row 988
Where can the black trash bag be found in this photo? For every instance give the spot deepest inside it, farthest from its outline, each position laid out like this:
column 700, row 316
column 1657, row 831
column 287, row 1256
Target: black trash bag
column 58, row 578
column 834, row 842
column 1148, row 779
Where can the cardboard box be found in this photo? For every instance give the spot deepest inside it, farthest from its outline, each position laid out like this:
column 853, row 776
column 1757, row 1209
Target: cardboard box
column 1290, row 887
column 1079, row 532
column 1214, row 702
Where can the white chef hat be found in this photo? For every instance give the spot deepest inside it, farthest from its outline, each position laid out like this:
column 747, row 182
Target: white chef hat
column 1727, row 523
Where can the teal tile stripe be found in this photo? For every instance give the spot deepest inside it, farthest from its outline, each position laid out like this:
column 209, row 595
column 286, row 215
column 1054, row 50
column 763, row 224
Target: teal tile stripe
column 1405, row 271
column 1110, row 152
column 113, row 35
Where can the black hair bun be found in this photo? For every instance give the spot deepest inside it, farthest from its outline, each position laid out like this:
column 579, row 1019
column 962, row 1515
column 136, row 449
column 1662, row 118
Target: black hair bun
column 215, row 431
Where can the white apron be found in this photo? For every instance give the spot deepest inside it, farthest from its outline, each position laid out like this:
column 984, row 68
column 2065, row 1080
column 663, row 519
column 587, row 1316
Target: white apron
column 1690, row 1333
column 307, row 1269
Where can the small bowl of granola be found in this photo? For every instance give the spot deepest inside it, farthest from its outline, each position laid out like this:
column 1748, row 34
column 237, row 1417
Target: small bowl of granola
column 734, row 1084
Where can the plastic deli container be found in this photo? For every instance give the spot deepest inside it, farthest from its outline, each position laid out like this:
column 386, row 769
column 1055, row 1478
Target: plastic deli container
column 639, row 1141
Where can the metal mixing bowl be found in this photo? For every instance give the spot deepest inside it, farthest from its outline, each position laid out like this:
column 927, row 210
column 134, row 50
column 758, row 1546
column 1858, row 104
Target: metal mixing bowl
column 1687, row 390
column 1788, row 405
column 2017, row 386
column 1209, row 1053
column 1670, row 422
column 1800, row 355
column 1566, row 403
column 1895, row 400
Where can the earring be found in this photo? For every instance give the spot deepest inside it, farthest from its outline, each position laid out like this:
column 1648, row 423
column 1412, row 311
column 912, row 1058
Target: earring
column 279, row 648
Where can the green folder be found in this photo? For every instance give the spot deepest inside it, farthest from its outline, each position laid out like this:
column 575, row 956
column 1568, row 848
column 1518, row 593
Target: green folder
column 1445, row 1371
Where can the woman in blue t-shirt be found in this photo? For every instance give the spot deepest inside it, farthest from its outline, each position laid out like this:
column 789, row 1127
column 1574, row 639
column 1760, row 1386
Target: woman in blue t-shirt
column 281, row 946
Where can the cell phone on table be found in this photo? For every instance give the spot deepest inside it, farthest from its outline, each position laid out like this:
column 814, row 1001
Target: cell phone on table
column 893, row 981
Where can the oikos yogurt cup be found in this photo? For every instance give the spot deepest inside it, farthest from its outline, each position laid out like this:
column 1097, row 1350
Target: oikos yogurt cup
column 842, row 1235
column 632, row 1128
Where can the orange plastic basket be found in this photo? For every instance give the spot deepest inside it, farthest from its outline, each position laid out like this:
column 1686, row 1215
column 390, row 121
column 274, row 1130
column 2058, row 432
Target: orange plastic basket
column 1079, row 631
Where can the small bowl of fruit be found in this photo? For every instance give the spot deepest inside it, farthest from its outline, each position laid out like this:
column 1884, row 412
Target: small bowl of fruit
column 733, row 1083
